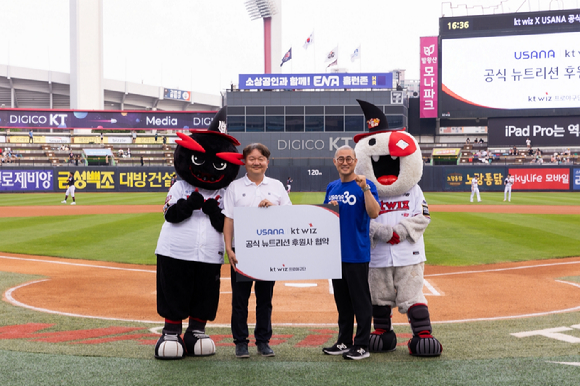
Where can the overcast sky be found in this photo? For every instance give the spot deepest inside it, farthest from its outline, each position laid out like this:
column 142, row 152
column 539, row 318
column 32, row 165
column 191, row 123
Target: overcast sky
column 203, row 45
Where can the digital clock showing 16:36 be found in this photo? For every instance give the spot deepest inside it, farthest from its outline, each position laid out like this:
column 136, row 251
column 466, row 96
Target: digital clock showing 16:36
column 458, row 25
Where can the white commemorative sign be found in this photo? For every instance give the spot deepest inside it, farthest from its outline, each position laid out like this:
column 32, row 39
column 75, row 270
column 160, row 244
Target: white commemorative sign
column 294, row 242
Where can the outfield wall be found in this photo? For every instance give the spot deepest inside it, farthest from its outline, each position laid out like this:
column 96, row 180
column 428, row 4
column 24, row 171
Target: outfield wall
column 306, row 178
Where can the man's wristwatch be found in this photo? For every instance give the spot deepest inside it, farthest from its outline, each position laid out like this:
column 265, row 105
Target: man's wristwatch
column 368, row 187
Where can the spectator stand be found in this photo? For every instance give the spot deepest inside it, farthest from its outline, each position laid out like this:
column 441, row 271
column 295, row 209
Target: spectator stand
column 54, row 149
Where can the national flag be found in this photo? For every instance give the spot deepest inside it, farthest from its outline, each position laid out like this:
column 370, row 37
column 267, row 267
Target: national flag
column 332, row 55
column 355, row 55
column 287, row 56
column 335, row 63
column 308, row 41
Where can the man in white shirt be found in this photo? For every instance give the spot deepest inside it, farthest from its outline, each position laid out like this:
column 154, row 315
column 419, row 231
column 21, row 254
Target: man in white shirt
column 252, row 190
column 474, row 189
column 508, row 182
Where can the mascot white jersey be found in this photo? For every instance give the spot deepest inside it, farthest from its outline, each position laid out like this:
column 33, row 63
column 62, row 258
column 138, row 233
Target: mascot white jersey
column 391, row 158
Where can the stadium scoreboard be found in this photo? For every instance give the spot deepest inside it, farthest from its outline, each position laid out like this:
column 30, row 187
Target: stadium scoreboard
column 517, row 64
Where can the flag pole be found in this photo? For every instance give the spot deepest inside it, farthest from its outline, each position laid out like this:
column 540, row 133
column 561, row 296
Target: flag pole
column 360, row 58
column 314, row 53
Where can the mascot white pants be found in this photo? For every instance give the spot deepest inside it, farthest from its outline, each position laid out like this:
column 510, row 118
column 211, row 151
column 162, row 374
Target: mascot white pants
column 401, row 287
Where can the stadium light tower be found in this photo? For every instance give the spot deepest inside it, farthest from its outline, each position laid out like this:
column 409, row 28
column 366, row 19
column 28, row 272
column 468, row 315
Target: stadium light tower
column 269, row 10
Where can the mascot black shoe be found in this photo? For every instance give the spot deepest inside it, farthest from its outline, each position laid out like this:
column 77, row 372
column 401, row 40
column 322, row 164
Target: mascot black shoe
column 391, row 158
column 383, row 338
column 190, row 249
column 422, row 344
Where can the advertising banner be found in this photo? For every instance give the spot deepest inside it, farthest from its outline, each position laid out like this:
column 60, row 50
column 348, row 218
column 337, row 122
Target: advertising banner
column 130, row 179
column 108, row 120
column 315, row 81
column 576, row 179
column 541, row 179
column 463, row 130
column 26, row 180
column 459, row 178
column 429, row 75
column 179, row 95
column 294, row 242
column 542, row 131
column 445, row 152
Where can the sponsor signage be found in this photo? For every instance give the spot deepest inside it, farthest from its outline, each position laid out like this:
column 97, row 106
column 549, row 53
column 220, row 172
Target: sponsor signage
column 382, row 80
column 541, row 179
column 445, row 152
column 109, row 120
column 293, row 242
column 576, row 179
column 179, row 95
column 302, row 145
column 463, row 130
column 542, row 131
column 101, row 179
column 459, row 178
column 26, row 180
column 428, row 76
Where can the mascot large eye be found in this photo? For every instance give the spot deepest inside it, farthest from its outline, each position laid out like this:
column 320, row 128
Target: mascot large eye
column 197, row 160
column 220, row 165
column 372, row 141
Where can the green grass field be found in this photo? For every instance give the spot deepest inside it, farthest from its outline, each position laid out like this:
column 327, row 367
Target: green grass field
column 475, row 353
column 451, row 238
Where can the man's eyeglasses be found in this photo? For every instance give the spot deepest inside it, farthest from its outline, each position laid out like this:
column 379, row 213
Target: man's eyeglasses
column 342, row 160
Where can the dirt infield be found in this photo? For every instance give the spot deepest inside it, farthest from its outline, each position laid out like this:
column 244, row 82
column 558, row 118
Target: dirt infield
column 122, row 291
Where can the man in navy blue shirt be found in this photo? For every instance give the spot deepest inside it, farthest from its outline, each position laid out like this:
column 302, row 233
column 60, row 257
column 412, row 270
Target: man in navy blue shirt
column 357, row 199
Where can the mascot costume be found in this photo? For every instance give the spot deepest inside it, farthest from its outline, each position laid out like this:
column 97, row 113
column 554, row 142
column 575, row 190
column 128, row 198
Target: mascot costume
column 391, row 158
column 190, row 249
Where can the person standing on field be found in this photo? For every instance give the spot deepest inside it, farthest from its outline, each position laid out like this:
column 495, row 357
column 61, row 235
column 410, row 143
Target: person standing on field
column 474, row 189
column 357, row 199
column 252, row 190
column 70, row 190
column 508, row 182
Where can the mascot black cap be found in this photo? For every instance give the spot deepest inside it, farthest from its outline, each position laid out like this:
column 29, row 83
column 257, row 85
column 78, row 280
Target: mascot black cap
column 375, row 119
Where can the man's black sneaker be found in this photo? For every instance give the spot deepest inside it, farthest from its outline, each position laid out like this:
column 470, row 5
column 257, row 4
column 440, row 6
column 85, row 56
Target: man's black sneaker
column 336, row 349
column 356, row 353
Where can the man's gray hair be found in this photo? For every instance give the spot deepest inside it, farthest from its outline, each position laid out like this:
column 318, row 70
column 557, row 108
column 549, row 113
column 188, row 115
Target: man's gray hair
column 345, row 147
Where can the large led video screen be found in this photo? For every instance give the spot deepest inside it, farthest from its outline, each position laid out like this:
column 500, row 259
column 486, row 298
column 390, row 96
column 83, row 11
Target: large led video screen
column 506, row 71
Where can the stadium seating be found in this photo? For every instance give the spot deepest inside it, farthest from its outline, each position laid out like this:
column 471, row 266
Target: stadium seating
column 52, row 154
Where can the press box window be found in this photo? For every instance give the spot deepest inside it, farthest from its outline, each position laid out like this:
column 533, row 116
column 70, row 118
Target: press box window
column 274, row 123
column 294, row 123
column 354, row 123
column 236, row 123
column 314, row 123
column 254, row 123
column 334, row 123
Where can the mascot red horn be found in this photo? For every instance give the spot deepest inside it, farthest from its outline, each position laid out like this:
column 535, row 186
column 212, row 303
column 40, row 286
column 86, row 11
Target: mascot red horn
column 391, row 158
column 190, row 249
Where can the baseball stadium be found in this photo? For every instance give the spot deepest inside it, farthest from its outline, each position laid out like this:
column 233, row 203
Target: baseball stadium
column 501, row 279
